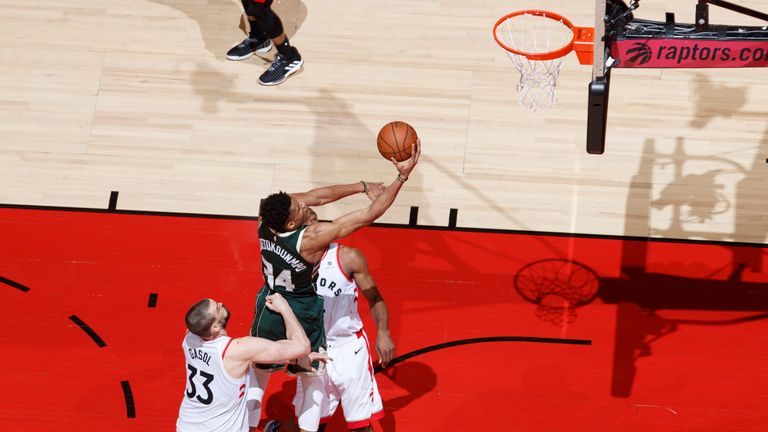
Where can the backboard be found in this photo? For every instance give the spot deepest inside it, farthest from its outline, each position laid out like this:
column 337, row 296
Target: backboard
column 599, row 86
column 624, row 41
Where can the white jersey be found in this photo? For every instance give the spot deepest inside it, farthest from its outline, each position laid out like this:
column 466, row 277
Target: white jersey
column 213, row 400
column 339, row 292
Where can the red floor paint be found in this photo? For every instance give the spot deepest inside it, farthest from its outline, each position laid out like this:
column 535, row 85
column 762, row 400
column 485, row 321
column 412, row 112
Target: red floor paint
column 678, row 331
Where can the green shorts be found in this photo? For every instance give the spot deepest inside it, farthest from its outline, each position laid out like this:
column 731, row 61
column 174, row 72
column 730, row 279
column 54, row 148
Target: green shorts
column 270, row 325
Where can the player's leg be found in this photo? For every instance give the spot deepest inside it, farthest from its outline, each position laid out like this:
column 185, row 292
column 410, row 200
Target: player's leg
column 288, row 61
column 313, row 402
column 360, row 398
column 256, row 42
column 257, row 383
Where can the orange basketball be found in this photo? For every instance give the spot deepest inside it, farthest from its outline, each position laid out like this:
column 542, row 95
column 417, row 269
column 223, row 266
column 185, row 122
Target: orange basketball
column 396, row 140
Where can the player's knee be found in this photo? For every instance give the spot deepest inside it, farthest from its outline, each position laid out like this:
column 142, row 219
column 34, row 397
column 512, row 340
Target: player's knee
column 267, row 20
column 248, row 7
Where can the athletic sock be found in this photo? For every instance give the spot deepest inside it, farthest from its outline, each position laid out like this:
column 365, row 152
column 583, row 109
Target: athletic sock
column 285, row 49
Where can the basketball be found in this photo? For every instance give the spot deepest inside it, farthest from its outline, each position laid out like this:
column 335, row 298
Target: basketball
column 396, row 140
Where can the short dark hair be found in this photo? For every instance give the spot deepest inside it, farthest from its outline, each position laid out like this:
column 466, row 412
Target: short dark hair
column 199, row 320
column 275, row 210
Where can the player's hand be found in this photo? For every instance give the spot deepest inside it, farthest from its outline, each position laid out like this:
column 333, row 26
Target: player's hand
column 374, row 190
column 316, row 356
column 306, row 362
column 385, row 348
column 405, row 167
column 277, row 303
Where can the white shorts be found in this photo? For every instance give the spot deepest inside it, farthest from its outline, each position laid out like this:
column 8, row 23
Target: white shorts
column 348, row 379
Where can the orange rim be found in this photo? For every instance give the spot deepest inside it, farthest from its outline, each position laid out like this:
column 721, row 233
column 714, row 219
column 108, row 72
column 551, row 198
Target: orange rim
column 550, row 55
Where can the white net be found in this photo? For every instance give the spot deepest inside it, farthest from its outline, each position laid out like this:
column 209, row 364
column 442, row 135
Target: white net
column 538, row 78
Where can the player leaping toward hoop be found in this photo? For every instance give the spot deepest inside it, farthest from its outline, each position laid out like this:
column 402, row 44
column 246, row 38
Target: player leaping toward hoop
column 348, row 381
column 290, row 249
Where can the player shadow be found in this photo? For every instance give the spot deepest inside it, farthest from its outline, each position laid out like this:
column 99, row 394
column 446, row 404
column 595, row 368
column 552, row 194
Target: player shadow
column 210, row 84
column 219, row 19
column 416, row 378
column 340, row 140
column 715, row 100
column 279, row 405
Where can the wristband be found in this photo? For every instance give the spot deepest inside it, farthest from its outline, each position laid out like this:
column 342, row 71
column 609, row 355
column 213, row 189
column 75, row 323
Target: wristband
column 365, row 186
column 400, row 179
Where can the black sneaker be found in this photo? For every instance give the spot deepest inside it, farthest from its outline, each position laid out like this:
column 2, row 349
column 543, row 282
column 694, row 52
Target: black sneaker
column 248, row 48
column 272, row 426
column 281, row 68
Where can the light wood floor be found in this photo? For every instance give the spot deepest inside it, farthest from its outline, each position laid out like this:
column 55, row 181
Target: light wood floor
column 137, row 97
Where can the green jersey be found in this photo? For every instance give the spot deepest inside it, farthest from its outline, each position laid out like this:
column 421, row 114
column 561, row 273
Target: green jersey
column 285, row 271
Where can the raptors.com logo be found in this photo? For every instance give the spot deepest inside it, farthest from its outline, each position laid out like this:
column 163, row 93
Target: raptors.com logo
column 675, row 53
column 640, row 53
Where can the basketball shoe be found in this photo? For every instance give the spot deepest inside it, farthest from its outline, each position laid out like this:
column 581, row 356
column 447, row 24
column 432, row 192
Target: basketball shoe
column 272, row 426
column 281, row 69
column 249, row 47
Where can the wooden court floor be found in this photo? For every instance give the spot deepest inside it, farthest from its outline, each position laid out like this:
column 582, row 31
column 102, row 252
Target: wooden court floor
column 137, row 97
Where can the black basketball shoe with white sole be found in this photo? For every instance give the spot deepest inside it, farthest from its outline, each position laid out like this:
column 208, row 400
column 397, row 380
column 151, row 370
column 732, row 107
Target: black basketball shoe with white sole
column 247, row 48
column 281, row 69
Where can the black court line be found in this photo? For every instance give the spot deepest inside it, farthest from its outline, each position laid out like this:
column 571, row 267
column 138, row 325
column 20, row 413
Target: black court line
column 404, row 226
column 130, row 407
column 113, row 200
column 152, row 300
column 88, row 330
column 460, row 342
column 14, row 284
column 452, row 217
column 128, row 212
column 413, row 218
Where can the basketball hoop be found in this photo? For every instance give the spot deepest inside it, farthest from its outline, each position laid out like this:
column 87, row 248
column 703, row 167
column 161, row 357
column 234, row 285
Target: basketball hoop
column 537, row 41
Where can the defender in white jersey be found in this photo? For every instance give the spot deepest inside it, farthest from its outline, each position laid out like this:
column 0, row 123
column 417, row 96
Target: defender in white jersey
column 217, row 365
column 349, row 380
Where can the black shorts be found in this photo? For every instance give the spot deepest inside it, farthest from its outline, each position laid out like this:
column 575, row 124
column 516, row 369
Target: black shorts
column 308, row 310
column 251, row 6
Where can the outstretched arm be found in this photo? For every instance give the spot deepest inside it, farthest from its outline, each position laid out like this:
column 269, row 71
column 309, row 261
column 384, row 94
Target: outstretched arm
column 355, row 263
column 329, row 194
column 320, row 235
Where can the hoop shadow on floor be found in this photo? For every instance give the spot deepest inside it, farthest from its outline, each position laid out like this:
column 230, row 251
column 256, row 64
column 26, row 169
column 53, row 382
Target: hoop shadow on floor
column 560, row 286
